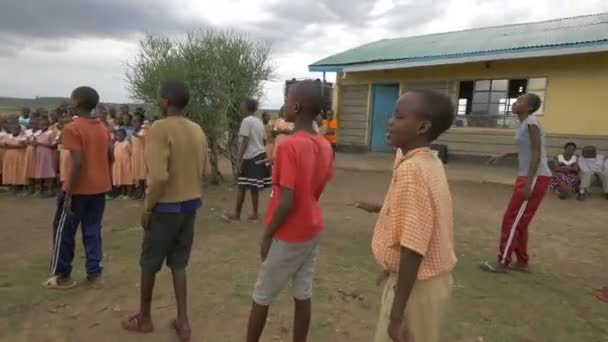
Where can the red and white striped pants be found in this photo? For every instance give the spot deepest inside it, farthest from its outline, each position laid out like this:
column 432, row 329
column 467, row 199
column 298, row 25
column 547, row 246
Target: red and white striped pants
column 519, row 214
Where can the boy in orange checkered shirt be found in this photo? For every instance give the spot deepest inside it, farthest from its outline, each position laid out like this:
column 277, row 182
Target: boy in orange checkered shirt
column 413, row 237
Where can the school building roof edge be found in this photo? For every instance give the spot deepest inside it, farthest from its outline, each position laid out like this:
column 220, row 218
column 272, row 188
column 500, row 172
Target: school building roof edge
column 563, row 36
column 482, row 56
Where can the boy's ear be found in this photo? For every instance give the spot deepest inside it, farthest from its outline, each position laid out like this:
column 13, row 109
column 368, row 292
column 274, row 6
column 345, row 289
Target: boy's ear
column 424, row 127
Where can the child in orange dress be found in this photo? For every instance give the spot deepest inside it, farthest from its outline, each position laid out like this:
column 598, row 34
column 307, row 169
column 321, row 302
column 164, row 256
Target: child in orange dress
column 3, row 136
column 30, row 157
column 122, row 176
column 138, row 167
column 13, row 167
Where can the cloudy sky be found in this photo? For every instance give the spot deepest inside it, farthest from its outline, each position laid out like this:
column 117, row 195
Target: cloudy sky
column 48, row 47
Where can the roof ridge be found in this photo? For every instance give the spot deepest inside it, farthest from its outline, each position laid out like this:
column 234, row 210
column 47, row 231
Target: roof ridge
column 497, row 26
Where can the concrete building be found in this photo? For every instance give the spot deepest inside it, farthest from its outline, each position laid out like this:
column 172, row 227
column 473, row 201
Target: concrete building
column 564, row 61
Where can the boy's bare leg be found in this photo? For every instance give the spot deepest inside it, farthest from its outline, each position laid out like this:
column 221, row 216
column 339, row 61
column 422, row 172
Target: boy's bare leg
column 180, row 286
column 257, row 322
column 146, row 290
column 301, row 320
column 240, row 198
column 255, row 200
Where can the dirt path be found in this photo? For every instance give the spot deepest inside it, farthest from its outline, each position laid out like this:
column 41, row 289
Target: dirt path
column 568, row 243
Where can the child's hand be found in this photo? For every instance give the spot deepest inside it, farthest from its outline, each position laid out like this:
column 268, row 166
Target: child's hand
column 266, row 162
column 265, row 246
column 526, row 192
column 398, row 331
column 365, row 206
column 145, row 219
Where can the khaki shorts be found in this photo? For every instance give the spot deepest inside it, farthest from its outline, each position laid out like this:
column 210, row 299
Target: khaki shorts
column 284, row 261
column 425, row 308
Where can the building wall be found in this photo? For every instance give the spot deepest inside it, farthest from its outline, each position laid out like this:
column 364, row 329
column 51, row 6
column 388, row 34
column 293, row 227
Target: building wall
column 576, row 103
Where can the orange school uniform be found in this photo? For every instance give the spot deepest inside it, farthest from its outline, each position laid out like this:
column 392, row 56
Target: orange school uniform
column 3, row 137
column 121, row 169
column 138, row 166
column 13, row 166
column 30, row 156
column 417, row 214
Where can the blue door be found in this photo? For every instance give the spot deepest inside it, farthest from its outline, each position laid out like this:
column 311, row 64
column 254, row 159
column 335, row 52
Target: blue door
column 384, row 98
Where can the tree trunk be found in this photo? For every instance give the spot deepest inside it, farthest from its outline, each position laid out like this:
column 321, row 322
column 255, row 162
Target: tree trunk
column 216, row 175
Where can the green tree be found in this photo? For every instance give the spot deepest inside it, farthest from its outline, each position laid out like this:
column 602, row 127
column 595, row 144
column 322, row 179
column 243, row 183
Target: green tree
column 221, row 67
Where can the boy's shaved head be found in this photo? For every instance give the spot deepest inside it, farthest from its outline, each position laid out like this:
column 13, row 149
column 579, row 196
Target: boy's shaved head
column 85, row 97
column 438, row 109
column 176, row 93
column 308, row 95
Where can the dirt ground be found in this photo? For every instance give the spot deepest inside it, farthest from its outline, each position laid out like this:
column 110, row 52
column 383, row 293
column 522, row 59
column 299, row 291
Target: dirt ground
column 553, row 303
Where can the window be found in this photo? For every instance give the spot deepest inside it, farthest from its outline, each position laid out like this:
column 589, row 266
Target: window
column 465, row 97
column 491, row 101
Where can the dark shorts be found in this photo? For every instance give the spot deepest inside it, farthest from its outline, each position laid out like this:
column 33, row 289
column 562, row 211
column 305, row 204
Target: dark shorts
column 254, row 175
column 169, row 236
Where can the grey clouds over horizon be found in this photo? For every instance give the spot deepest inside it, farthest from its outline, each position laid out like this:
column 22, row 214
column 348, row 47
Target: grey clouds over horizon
column 46, row 47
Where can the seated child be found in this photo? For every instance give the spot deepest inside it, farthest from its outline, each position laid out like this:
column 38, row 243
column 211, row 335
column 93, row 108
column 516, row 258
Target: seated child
column 592, row 164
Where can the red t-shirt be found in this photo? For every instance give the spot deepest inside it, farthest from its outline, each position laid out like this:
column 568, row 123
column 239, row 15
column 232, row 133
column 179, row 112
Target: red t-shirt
column 92, row 139
column 304, row 164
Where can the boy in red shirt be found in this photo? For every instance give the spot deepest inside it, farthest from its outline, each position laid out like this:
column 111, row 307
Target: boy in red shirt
column 302, row 167
column 82, row 200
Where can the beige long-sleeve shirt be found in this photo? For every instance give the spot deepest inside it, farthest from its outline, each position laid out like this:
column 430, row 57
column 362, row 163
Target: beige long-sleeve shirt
column 176, row 159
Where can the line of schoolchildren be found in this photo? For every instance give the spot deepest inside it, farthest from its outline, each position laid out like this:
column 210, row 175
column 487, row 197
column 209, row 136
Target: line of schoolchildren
column 34, row 163
column 412, row 240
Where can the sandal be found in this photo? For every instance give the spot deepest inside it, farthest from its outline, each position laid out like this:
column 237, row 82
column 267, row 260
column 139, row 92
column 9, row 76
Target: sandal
column 602, row 294
column 53, row 284
column 184, row 335
column 486, row 266
column 132, row 323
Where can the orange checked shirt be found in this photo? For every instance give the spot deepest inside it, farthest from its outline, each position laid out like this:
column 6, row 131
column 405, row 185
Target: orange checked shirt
column 417, row 214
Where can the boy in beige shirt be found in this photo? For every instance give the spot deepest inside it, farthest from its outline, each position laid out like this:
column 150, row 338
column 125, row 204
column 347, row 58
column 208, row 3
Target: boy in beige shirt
column 176, row 159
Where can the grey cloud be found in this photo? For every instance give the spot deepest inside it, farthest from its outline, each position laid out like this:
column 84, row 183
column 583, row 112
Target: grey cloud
column 407, row 16
column 293, row 23
column 86, row 18
column 47, row 22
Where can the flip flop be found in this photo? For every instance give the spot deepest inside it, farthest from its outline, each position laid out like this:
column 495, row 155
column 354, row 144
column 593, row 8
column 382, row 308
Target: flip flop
column 183, row 335
column 132, row 323
column 602, row 294
column 52, row 284
column 486, row 266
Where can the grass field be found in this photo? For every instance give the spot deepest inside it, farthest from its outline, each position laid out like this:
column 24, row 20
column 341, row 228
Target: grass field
column 552, row 304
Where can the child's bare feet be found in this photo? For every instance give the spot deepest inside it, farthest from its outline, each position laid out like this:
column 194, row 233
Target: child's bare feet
column 182, row 329
column 137, row 323
column 253, row 218
column 230, row 218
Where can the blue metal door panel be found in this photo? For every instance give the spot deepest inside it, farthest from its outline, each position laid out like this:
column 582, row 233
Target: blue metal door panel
column 384, row 98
